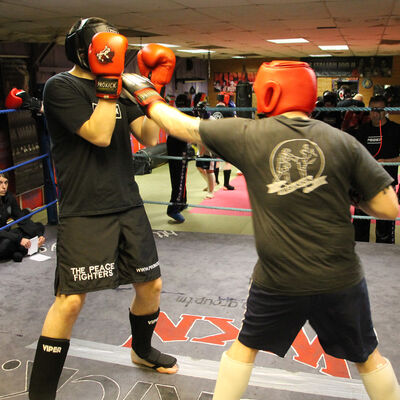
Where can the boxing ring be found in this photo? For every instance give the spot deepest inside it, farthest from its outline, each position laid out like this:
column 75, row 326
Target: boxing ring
column 206, row 265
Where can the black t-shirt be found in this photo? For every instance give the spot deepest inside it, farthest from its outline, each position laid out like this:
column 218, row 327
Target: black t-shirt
column 333, row 118
column 370, row 137
column 92, row 180
column 299, row 173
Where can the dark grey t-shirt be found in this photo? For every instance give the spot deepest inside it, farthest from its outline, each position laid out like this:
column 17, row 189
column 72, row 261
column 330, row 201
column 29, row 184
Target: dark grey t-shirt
column 299, row 173
column 92, row 180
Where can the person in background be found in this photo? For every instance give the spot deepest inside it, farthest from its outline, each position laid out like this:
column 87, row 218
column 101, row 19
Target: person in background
column 178, row 168
column 15, row 242
column 381, row 137
column 333, row 118
column 352, row 120
column 205, row 167
column 224, row 100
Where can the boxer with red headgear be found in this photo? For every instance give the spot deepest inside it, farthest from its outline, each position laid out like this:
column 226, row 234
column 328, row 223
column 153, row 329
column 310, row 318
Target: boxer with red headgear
column 299, row 174
column 283, row 86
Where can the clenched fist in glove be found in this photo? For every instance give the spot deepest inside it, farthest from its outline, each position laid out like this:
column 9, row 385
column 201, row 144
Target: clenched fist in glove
column 18, row 98
column 140, row 90
column 106, row 60
column 157, row 63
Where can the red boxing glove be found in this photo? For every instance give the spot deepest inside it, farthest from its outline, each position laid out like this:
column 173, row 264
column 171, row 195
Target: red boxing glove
column 157, row 63
column 13, row 100
column 18, row 98
column 106, row 57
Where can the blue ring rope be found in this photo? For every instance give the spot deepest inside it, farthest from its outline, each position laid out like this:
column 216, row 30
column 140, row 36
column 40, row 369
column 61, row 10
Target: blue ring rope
column 28, row 215
column 24, row 163
column 241, row 209
column 180, row 158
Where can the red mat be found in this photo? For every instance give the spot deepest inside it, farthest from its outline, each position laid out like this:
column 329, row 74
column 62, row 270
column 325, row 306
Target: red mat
column 237, row 198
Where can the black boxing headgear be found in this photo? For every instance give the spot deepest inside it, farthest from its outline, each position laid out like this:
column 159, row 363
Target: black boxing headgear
column 77, row 42
column 330, row 97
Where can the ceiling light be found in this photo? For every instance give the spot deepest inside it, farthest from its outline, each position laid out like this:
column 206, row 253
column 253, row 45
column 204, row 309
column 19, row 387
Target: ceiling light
column 238, row 57
column 197, row 51
column 283, row 41
column 320, row 55
column 335, row 47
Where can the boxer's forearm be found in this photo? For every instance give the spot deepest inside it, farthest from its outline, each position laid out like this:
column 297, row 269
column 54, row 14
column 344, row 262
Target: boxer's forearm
column 176, row 123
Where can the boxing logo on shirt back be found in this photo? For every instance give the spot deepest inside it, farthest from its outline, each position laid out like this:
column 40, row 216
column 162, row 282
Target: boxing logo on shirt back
column 296, row 164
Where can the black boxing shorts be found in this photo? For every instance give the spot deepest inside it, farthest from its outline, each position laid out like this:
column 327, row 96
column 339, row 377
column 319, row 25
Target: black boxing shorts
column 204, row 164
column 105, row 251
column 342, row 321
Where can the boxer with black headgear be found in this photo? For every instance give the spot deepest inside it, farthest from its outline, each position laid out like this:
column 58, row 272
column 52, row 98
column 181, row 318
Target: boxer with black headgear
column 103, row 228
column 299, row 174
column 79, row 38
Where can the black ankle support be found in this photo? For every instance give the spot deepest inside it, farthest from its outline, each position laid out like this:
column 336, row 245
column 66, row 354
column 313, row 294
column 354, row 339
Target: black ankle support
column 47, row 367
column 227, row 176
column 216, row 173
column 142, row 327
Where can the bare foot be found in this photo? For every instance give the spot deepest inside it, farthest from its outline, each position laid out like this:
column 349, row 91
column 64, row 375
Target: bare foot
column 162, row 370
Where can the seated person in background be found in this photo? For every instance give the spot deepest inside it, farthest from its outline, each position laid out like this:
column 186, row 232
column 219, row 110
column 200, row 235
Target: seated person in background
column 14, row 243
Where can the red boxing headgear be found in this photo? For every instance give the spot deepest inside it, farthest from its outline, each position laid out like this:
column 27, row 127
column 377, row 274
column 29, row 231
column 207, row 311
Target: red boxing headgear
column 283, row 86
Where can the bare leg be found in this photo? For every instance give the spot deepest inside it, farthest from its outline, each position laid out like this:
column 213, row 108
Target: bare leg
column 210, row 183
column 204, row 176
column 62, row 315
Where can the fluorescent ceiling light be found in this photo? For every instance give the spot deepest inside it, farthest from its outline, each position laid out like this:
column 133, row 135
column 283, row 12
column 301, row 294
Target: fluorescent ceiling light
column 283, row 41
column 335, row 47
column 320, row 55
column 162, row 44
column 198, row 51
column 238, row 57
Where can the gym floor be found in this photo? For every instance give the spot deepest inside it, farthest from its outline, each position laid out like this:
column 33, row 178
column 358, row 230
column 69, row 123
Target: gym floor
column 206, row 264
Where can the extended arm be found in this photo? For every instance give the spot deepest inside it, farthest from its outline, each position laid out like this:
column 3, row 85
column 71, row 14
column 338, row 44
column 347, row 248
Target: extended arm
column 391, row 160
column 175, row 122
column 384, row 205
column 168, row 118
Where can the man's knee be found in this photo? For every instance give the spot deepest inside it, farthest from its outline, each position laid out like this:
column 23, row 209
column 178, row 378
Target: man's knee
column 70, row 305
column 149, row 289
column 7, row 246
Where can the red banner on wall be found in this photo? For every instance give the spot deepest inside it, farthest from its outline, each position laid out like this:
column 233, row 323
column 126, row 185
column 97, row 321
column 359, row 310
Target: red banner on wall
column 227, row 81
